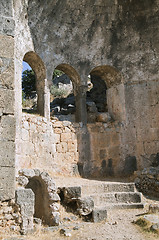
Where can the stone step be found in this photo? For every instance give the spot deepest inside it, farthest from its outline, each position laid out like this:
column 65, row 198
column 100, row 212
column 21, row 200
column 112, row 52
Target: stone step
column 116, row 198
column 100, row 213
column 121, row 206
column 106, row 188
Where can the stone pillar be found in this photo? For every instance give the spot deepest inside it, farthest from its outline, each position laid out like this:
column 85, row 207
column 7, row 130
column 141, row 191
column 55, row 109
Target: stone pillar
column 81, row 112
column 43, row 102
column 46, row 100
column 25, row 198
column 7, row 102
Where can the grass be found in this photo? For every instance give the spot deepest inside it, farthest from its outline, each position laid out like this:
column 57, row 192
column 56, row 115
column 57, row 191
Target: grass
column 145, row 225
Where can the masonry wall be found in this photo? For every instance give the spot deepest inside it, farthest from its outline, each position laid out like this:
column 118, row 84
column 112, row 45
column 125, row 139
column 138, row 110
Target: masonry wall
column 142, row 122
column 48, row 145
column 84, row 35
column 70, row 149
column 122, row 34
column 7, row 101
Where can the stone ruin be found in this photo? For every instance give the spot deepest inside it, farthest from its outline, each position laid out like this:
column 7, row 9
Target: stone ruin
column 116, row 43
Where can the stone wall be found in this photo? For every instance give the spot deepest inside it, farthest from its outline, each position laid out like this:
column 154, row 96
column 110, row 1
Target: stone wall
column 7, row 101
column 142, row 120
column 10, row 217
column 118, row 41
column 93, row 150
column 66, row 156
column 147, row 180
column 68, row 148
column 36, row 148
column 49, row 145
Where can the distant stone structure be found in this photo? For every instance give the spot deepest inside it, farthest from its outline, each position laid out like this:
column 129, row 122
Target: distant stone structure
column 114, row 40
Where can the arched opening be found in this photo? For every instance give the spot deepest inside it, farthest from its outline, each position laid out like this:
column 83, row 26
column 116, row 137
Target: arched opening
column 29, row 94
column 96, row 94
column 38, row 68
column 62, row 92
column 41, row 207
column 102, row 78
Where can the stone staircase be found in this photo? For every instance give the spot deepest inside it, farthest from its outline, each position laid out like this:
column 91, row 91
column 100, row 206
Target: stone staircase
column 98, row 197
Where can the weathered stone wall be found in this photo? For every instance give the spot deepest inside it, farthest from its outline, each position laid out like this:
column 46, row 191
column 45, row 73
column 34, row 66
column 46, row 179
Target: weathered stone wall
column 105, row 148
column 122, row 34
column 36, row 148
column 147, row 181
column 49, row 145
column 10, row 217
column 63, row 147
column 66, row 156
column 7, row 101
column 118, row 33
column 141, row 134
column 79, row 37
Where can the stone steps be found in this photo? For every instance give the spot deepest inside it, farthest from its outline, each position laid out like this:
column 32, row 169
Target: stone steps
column 116, row 198
column 106, row 188
column 120, row 206
column 97, row 197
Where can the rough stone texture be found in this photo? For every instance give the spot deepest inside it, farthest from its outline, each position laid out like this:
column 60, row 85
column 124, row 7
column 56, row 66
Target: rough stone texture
column 85, row 206
column 99, row 215
column 46, row 203
column 25, row 199
column 10, row 217
column 48, row 145
column 71, row 149
column 147, row 181
column 114, row 40
column 91, row 199
column 7, row 101
column 154, row 208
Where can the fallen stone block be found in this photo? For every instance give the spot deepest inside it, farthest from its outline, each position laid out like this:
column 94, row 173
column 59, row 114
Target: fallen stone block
column 71, row 192
column 99, row 215
column 85, row 206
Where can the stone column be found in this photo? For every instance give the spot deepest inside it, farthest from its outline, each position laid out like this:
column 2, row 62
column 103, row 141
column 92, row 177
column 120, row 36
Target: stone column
column 46, row 100
column 7, row 102
column 43, row 103
column 81, row 112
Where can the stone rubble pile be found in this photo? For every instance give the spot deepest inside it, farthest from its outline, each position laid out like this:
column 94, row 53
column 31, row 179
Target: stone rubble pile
column 10, row 217
column 18, row 215
column 63, row 106
column 147, row 181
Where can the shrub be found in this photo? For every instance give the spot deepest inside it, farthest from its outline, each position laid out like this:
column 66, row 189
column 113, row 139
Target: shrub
column 58, row 92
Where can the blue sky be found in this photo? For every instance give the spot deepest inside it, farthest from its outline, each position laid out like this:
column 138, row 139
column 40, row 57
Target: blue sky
column 26, row 66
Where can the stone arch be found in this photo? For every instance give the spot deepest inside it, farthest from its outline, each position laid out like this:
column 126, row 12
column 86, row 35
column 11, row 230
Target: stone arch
column 109, row 74
column 46, row 198
column 115, row 96
column 38, row 67
column 76, row 82
column 72, row 74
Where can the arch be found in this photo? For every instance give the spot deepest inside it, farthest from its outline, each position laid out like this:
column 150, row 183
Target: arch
column 39, row 69
column 66, row 105
column 46, row 198
column 109, row 74
column 114, row 98
column 71, row 73
column 36, row 64
column 97, row 94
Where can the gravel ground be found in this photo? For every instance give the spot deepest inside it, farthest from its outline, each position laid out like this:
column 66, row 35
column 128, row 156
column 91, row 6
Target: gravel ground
column 118, row 226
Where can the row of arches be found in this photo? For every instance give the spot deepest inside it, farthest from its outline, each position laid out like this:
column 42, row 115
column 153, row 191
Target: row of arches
column 91, row 90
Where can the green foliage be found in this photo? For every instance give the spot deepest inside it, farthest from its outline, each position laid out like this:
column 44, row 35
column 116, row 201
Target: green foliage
column 28, row 83
column 58, row 92
column 57, row 73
